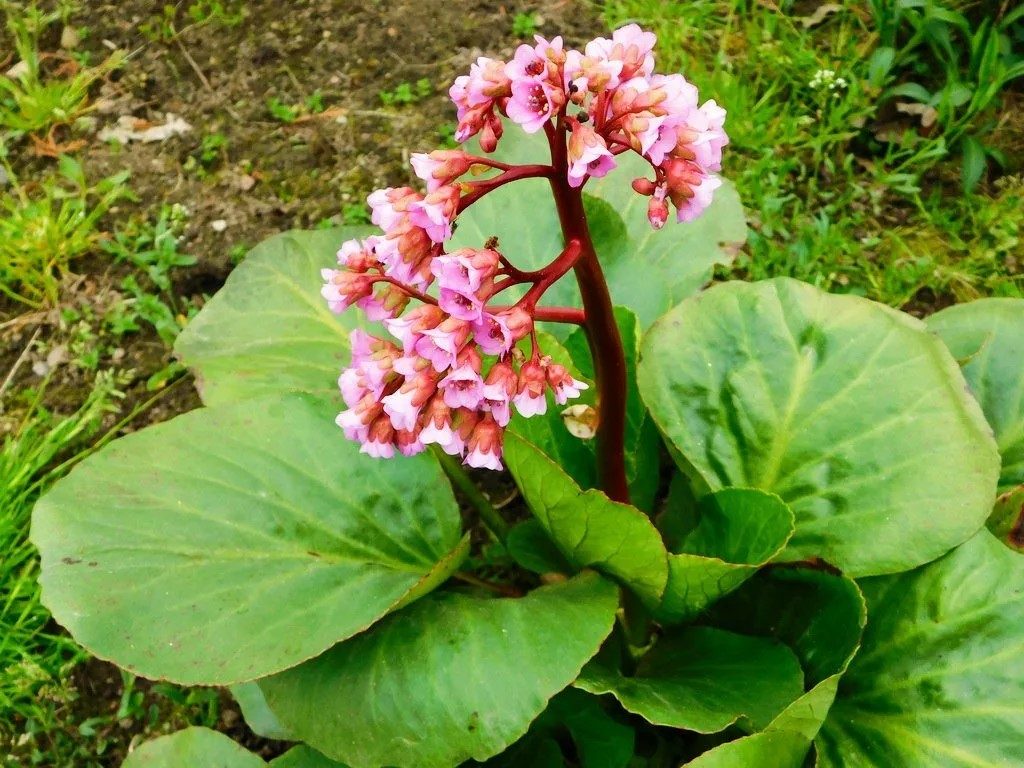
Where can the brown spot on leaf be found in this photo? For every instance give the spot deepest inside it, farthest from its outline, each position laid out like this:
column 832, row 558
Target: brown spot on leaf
column 71, row 560
column 1017, row 532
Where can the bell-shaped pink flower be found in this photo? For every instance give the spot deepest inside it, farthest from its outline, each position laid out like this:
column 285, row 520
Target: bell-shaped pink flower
column 463, row 387
column 530, row 399
column 437, row 426
column 441, row 345
column 440, row 167
column 588, row 155
column 563, row 384
column 435, row 212
column 484, row 446
column 342, row 288
column 380, row 440
column 404, row 405
column 492, row 334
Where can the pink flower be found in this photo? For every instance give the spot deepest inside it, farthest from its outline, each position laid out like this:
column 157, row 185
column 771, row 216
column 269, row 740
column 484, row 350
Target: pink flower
column 709, row 122
column 463, row 306
column 435, row 212
column 441, row 166
column 484, row 445
column 404, row 405
column 492, row 334
column 356, row 421
column 463, row 387
column 529, row 399
column 588, row 155
column 358, row 257
column 389, row 301
column 437, row 426
column 629, row 45
column 342, row 289
column 587, row 73
column 441, row 345
column 408, row 442
column 465, row 270
column 563, row 384
column 408, row 328
column 500, row 386
column 380, row 441
column 533, row 103
column 388, row 206
column 689, row 208
column 689, row 187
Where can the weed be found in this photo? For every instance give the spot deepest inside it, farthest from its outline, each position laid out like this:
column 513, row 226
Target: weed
column 355, row 213
column 45, row 227
column 32, row 103
column 524, row 25
column 289, row 113
column 407, row 93
column 226, row 14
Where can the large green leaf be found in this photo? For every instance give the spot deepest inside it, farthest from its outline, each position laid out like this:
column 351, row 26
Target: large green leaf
column 450, row 678
column 704, row 679
column 987, row 337
column 938, row 680
column 739, row 530
column 647, row 271
column 236, row 541
column 851, row 412
column 767, row 750
column 590, row 529
column 193, row 747
column 268, row 330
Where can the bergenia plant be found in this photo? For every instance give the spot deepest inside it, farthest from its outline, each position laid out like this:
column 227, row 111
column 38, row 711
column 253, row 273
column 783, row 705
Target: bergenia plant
column 566, row 504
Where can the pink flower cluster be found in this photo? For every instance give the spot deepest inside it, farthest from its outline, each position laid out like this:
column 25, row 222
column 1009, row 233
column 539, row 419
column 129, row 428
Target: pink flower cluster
column 437, row 381
column 623, row 105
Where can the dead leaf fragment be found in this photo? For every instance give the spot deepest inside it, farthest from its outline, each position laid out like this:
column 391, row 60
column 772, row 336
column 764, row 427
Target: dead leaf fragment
column 821, row 13
column 130, row 128
column 581, row 421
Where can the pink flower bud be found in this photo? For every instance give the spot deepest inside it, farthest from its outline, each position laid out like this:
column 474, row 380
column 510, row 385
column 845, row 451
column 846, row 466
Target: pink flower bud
column 643, row 186
column 490, row 133
column 518, row 321
column 356, row 421
column 657, row 212
column 588, row 155
column 342, row 288
column 408, row 442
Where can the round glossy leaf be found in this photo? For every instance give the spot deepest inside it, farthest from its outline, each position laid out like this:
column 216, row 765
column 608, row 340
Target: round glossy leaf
column 587, row 526
column 268, row 330
column 704, row 679
column 987, row 337
column 938, row 680
column 237, row 541
column 851, row 412
column 739, row 530
column 450, row 678
column 192, row 747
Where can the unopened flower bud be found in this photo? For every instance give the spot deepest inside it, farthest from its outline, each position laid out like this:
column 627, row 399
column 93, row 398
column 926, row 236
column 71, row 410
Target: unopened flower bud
column 643, row 187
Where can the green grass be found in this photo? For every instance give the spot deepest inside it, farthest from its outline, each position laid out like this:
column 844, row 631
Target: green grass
column 842, row 188
column 45, row 226
column 35, row 658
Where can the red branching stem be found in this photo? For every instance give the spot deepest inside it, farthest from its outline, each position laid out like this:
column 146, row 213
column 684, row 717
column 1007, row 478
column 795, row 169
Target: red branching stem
column 478, row 189
column 490, row 162
column 602, row 331
column 551, row 274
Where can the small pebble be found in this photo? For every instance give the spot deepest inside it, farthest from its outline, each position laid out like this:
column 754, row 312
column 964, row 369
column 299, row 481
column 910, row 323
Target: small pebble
column 219, row 225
